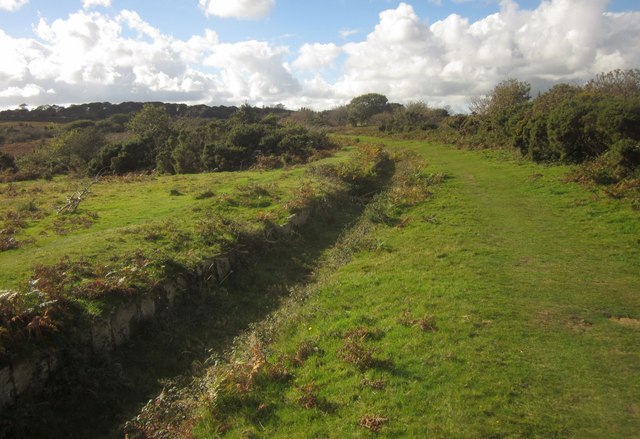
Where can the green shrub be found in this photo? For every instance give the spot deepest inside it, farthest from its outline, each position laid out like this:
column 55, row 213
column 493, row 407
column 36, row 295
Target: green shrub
column 625, row 156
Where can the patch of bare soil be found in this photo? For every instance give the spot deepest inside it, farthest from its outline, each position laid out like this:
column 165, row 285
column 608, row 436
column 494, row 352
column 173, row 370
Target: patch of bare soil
column 627, row 321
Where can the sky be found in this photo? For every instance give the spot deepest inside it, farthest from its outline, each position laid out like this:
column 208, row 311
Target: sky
column 317, row 54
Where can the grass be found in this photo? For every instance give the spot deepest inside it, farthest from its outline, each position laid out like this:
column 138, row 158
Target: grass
column 148, row 213
column 501, row 306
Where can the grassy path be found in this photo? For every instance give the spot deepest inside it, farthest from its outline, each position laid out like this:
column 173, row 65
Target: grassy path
column 507, row 305
column 551, row 270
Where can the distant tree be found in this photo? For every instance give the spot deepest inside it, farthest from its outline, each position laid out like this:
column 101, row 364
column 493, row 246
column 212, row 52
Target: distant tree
column 530, row 134
column 620, row 83
column 164, row 158
column 363, row 107
column 573, row 131
column 75, row 148
column 336, row 117
column 131, row 156
column 246, row 136
column 502, row 110
column 151, row 124
column 246, row 114
column 186, row 158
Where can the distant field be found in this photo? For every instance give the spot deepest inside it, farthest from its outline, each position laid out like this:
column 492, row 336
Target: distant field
column 21, row 138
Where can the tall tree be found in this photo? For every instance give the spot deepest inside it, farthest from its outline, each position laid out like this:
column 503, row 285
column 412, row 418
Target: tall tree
column 363, row 107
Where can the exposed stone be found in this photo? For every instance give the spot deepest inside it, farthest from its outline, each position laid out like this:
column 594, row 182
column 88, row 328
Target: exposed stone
column 121, row 323
column 106, row 333
column 101, row 336
column 170, row 291
column 209, row 272
column 285, row 229
column 24, row 373
column 223, row 267
column 53, row 362
column 147, row 308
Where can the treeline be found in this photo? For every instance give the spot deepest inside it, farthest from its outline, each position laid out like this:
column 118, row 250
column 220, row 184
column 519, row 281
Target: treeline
column 596, row 124
column 103, row 110
column 154, row 140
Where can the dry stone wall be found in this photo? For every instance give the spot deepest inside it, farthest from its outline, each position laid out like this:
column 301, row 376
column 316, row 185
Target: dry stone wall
column 30, row 374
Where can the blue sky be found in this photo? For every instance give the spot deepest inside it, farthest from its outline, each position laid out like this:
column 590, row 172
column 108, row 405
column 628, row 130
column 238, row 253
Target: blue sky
column 303, row 53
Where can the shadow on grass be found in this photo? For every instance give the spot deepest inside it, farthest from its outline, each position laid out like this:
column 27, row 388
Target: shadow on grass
column 92, row 397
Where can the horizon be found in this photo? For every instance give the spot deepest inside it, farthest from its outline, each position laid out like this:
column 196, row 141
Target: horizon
column 315, row 55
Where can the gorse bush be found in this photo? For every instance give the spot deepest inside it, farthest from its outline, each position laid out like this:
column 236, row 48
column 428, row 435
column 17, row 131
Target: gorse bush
column 152, row 140
column 596, row 125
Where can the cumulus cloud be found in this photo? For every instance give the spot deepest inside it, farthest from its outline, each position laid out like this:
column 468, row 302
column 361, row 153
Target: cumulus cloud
column 28, row 91
column 12, row 5
column 452, row 59
column 86, row 4
column 96, row 56
column 316, row 56
column 254, row 71
column 91, row 56
column 241, row 9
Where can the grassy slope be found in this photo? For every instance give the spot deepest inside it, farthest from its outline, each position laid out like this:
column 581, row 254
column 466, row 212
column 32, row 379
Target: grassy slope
column 525, row 277
column 127, row 209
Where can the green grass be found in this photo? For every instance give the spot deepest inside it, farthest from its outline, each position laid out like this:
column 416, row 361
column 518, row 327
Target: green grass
column 147, row 213
column 494, row 308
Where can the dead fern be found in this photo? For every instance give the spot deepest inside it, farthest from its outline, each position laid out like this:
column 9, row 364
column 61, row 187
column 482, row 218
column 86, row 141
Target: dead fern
column 372, row 422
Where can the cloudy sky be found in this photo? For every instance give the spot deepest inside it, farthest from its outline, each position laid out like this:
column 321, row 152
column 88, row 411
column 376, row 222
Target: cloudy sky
column 312, row 53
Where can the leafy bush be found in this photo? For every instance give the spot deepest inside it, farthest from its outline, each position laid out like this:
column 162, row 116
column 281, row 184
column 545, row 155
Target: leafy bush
column 121, row 158
column 624, row 155
column 7, row 162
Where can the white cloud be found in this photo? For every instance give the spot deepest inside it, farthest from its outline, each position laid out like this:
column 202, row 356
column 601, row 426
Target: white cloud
column 12, row 5
column 254, row 71
column 28, row 91
column 86, row 4
column 316, row 56
column 98, row 56
column 346, row 33
column 87, row 57
column 453, row 59
column 241, row 9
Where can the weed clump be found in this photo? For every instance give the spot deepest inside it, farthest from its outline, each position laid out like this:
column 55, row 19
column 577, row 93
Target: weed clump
column 372, row 422
column 356, row 353
column 374, row 384
column 305, row 350
column 205, row 195
column 426, row 324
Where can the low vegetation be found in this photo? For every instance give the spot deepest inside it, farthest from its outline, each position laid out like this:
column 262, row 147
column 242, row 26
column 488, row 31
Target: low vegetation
column 480, row 331
column 250, row 383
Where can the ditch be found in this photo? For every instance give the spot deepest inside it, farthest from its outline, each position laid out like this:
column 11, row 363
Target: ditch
column 93, row 397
